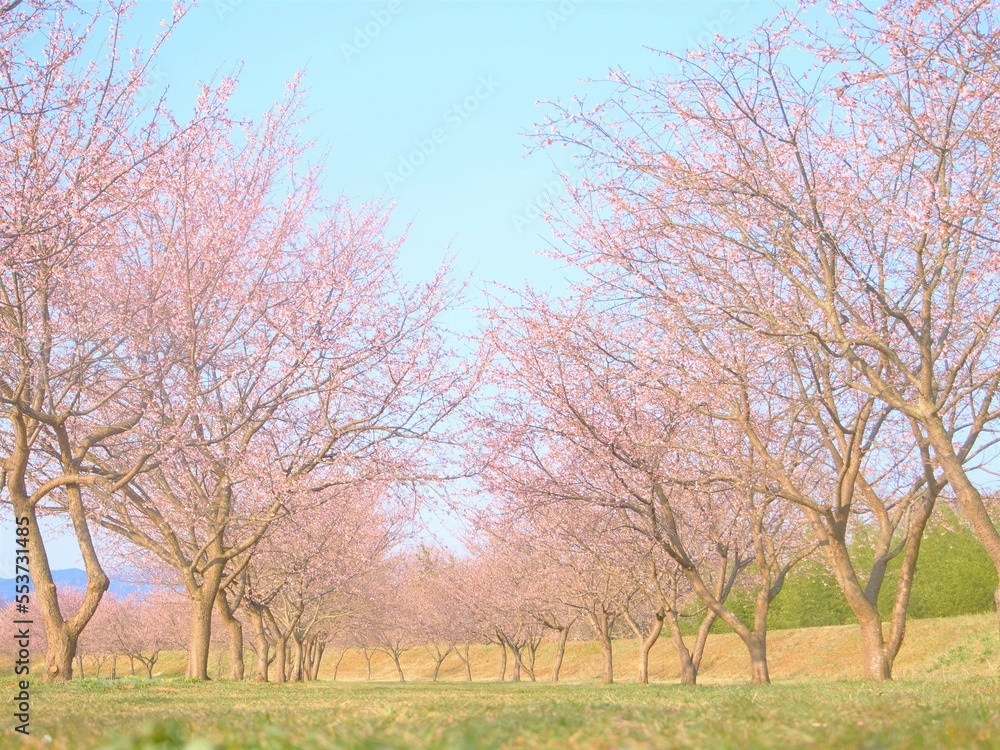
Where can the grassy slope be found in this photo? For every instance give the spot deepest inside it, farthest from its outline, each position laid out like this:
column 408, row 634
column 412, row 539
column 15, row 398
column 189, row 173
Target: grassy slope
column 935, row 648
column 947, row 648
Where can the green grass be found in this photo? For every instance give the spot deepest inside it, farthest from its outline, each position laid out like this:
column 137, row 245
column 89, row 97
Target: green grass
column 130, row 715
column 946, row 695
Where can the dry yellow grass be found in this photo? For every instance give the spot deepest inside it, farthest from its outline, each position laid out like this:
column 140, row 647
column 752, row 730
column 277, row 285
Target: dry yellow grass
column 935, row 648
column 945, row 648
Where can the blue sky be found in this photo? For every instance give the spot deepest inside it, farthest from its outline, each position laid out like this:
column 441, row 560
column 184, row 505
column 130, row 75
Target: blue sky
column 459, row 78
column 386, row 77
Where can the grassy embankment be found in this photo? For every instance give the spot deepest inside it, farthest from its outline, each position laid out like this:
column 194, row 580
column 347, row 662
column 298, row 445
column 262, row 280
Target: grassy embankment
column 952, row 647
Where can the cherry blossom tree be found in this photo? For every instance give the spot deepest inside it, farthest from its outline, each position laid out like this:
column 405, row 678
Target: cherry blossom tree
column 288, row 355
column 79, row 149
column 592, row 424
column 311, row 570
column 141, row 628
column 823, row 194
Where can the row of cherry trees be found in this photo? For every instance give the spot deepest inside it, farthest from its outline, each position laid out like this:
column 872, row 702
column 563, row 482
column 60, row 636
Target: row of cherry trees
column 787, row 332
column 788, row 326
column 205, row 361
column 126, row 636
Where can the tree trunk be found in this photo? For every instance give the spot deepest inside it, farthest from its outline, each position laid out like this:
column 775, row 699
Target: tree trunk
column 280, row 658
column 646, row 645
column 876, row 666
column 970, row 500
column 602, row 624
column 503, row 661
column 61, row 635
column 201, row 632
column 529, row 666
column 260, row 643
column 317, row 658
column 234, row 628
column 757, row 646
column 609, row 670
column 336, row 664
column 60, row 651
column 468, row 664
column 297, row 655
column 560, row 652
column 689, row 662
column 399, row 667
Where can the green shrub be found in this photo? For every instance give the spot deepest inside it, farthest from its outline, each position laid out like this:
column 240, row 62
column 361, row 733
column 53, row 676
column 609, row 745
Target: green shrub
column 954, row 576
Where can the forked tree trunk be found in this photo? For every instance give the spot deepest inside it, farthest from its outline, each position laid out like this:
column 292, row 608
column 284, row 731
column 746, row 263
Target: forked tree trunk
column 309, row 664
column 529, row 665
column 755, row 640
column 316, row 649
column 646, row 645
column 646, row 641
column 520, row 665
column 602, row 625
column 368, row 663
column 61, row 635
column 282, row 668
column 466, row 662
column 690, row 659
column 875, row 664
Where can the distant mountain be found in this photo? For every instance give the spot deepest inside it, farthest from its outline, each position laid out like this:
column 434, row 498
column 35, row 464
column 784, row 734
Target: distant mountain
column 74, row 578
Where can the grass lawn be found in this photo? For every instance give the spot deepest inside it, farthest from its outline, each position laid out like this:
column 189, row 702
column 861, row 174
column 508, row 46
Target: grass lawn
column 178, row 714
column 947, row 694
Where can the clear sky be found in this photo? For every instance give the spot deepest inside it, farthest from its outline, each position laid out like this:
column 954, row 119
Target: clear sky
column 386, row 77
column 459, row 78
